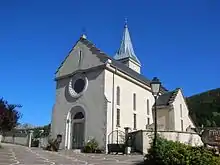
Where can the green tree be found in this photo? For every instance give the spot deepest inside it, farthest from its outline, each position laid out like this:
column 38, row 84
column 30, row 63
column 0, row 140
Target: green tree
column 205, row 108
column 213, row 124
column 37, row 131
column 9, row 115
column 208, row 123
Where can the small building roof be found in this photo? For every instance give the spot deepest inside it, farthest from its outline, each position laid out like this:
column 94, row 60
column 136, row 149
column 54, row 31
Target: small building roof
column 167, row 98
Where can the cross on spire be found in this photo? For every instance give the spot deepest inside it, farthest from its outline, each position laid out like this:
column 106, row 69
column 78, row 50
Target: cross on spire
column 126, row 22
column 83, row 33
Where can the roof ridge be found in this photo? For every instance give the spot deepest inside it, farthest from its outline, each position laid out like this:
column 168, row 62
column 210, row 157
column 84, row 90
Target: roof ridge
column 118, row 64
column 173, row 96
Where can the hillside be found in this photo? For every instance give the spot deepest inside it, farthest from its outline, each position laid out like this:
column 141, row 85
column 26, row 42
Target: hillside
column 205, row 108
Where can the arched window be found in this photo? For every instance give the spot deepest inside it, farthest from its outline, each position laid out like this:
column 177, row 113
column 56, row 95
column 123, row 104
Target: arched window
column 118, row 95
column 79, row 115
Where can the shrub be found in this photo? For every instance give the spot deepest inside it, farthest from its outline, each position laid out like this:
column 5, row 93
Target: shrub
column 91, row 146
column 53, row 145
column 175, row 153
column 34, row 143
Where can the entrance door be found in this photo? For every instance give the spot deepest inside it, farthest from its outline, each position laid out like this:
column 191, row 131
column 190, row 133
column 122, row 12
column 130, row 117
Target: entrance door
column 78, row 135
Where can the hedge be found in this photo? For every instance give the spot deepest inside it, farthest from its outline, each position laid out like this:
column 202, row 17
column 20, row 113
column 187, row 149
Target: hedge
column 175, row 153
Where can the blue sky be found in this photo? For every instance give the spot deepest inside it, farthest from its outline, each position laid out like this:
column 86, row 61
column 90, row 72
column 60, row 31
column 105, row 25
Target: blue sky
column 178, row 41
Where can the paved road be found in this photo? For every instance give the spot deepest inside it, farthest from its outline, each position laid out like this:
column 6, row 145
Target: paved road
column 19, row 155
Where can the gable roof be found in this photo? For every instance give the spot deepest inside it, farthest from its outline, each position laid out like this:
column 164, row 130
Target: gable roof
column 120, row 66
column 167, row 98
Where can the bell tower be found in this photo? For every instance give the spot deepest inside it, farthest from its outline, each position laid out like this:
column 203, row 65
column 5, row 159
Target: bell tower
column 125, row 53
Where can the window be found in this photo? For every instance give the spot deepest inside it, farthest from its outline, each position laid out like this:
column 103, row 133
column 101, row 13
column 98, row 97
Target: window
column 148, row 121
column 79, row 85
column 134, row 101
column 80, row 58
column 182, row 125
column 118, row 118
column 135, row 120
column 118, row 96
column 148, row 107
column 181, row 111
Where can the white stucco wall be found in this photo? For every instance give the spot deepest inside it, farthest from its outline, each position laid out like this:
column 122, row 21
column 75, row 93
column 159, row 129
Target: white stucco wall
column 134, row 66
column 143, row 145
column 185, row 113
column 127, row 88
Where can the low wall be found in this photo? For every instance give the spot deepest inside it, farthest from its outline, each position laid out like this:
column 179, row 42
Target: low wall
column 21, row 140
column 142, row 139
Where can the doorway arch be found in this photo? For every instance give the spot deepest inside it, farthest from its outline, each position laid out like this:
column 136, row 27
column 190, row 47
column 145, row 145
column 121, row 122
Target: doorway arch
column 75, row 128
column 78, row 129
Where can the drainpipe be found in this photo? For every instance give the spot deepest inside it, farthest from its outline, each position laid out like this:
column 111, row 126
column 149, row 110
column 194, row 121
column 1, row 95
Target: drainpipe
column 113, row 100
column 113, row 93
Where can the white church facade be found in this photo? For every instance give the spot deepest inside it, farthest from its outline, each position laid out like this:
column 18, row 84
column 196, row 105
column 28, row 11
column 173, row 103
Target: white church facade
column 97, row 94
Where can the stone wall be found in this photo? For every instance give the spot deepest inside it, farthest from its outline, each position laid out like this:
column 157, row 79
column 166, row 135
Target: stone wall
column 18, row 139
column 142, row 139
column 22, row 139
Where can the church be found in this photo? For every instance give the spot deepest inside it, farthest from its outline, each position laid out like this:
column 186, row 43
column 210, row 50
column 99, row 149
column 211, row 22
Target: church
column 97, row 94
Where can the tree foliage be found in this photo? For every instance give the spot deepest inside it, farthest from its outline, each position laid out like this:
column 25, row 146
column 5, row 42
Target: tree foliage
column 9, row 115
column 38, row 131
column 205, row 108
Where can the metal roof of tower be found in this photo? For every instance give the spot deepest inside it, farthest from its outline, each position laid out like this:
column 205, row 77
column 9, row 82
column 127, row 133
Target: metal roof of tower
column 126, row 49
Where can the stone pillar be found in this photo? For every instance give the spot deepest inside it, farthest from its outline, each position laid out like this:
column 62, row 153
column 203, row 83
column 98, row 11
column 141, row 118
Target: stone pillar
column 30, row 138
column 40, row 138
column 1, row 137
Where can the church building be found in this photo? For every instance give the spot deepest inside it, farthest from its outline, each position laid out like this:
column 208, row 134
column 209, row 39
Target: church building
column 97, row 94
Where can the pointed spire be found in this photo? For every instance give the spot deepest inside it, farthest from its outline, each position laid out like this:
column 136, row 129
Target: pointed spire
column 126, row 49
